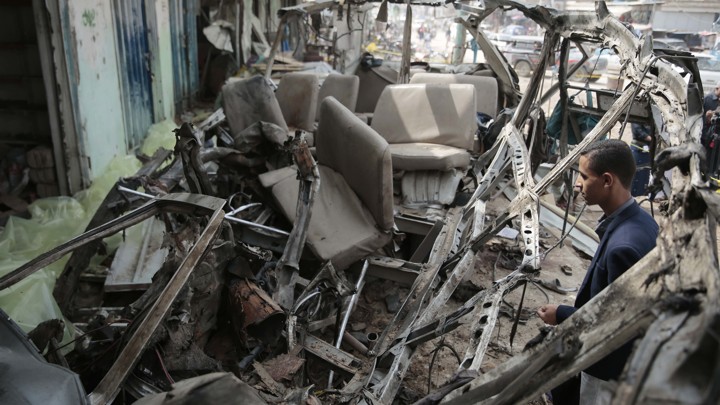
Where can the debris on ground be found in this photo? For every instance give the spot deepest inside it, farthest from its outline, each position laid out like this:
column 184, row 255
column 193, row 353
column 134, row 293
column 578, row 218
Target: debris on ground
column 263, row 262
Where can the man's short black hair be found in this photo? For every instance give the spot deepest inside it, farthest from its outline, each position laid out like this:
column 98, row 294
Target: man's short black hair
column 611, row 156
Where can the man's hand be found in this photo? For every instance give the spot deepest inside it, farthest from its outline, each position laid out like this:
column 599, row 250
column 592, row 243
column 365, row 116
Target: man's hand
column 548, row 313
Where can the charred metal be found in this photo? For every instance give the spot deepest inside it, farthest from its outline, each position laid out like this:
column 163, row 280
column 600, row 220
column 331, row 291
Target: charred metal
column 264, row 259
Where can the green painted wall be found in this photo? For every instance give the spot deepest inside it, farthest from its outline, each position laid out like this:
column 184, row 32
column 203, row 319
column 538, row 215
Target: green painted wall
column 100, row 116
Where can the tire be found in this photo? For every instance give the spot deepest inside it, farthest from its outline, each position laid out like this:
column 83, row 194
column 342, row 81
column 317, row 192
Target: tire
column 523, row 68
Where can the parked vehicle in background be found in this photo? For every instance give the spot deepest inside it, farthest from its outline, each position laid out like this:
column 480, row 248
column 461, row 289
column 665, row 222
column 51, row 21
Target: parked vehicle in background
column 612, row 60
column 693, row 40
column 592, row 69
column 523, row 54
column 670, row 43
column 709, row 68
column 514, row 30
column 613, row 66
column 507, row 35
column 715, row 51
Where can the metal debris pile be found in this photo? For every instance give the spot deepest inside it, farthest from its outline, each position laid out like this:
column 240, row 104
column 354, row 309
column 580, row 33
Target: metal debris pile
column 234, row 289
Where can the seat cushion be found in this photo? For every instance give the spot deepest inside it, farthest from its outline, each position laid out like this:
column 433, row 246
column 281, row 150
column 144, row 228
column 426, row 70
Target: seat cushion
column 428, row 156
column 341, row 229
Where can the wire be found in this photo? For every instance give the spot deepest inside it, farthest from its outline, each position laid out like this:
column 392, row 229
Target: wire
column 162, row 365
column 435, row 351
column 85, row 334
column 587, row 79
column 562, row 238
column 547, row 297
column 317, row 34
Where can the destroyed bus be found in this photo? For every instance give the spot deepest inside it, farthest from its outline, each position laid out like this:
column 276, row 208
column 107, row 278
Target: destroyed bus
column 333, row 239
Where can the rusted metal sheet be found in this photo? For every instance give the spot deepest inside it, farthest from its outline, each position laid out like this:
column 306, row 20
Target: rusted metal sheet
column 252, row 310
column 333, row 356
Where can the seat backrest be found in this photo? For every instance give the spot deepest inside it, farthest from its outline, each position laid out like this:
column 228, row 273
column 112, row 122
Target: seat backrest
column 350, row 147
column 297, row 94
column 343, row 87
column 372, row 82
column 486, row 88
column 249, row 101
column 442, row 114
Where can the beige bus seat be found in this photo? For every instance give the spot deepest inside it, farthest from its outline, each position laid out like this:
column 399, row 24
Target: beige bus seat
column 344, row 88
column 297, row 95
column 355, row 190
column 486, row 88
column 249, row 101
column 372, row 83
column 428, row 126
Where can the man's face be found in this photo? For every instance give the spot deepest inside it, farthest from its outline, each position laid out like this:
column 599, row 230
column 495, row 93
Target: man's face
column 590, row 184
column 717, row 91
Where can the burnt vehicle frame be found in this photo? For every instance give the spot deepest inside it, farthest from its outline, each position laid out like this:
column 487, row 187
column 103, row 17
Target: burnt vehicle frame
column 673, row 292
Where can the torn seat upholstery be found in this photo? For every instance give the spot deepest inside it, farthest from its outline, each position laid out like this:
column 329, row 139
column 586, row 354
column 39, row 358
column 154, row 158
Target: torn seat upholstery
column 428, row 126
column 352, row 215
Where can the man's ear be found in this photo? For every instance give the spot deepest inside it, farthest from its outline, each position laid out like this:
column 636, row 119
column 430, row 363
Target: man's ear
column 608, row 179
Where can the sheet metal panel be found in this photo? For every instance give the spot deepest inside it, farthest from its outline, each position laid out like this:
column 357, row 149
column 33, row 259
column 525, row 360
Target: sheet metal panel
column 134, row 61
column 183, row 29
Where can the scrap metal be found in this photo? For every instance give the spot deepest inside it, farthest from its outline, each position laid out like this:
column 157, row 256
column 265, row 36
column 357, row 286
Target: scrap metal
column 670, row 296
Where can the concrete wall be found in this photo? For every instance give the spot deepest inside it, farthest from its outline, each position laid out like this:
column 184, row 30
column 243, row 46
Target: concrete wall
column 100, row 116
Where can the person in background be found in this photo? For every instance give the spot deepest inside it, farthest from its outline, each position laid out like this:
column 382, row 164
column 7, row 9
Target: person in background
column 710, row 132
column 641, row 149
column 627, row 233
column 711, row 102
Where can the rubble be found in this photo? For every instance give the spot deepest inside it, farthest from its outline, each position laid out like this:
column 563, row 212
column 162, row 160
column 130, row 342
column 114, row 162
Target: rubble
column 261, row 276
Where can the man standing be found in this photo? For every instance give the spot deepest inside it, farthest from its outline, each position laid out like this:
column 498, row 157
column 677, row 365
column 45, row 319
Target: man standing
column 627, row 233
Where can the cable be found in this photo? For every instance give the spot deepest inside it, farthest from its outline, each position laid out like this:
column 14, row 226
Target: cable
column 435, row 351
column 162, row 365
column 547, row 297
column 562, row 238
column 82, row 335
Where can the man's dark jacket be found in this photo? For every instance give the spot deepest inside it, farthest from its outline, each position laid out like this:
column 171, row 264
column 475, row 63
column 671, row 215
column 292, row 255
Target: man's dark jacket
column 629, row 236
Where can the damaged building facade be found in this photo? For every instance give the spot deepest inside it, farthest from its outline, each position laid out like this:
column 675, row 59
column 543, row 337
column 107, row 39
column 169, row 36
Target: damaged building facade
column 84, row 80
column 245, row 265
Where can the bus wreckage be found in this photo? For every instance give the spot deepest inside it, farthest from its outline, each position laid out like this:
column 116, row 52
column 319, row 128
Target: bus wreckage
column 267, row 244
